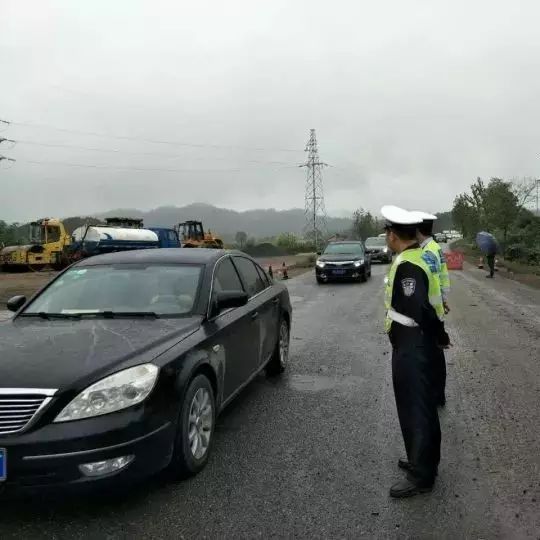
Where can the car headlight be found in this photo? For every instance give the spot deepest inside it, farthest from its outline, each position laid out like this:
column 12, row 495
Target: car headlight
column 321, row 264
column 385, row 250
column 113, row 393
column 359, row 263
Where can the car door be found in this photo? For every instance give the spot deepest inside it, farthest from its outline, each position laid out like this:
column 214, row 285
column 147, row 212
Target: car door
column 264, row 304
column 236, row 330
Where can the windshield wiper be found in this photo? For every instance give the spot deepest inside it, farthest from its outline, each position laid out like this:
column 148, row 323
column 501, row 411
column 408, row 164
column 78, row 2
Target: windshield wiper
column 113, row 314
column 48, row 316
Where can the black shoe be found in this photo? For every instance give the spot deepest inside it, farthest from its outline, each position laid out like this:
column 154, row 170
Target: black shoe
column 406, row 488
column 404, row 464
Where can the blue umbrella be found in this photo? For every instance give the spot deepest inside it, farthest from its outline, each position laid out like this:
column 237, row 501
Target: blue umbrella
column 487, row 243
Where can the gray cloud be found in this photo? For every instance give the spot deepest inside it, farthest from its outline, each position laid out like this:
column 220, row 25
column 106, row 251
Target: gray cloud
column 411, row 101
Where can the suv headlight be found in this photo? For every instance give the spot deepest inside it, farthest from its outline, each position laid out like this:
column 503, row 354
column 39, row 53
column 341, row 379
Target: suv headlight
column 113, row 393
column 359, row 263
column 321, row 264
column 385, row 250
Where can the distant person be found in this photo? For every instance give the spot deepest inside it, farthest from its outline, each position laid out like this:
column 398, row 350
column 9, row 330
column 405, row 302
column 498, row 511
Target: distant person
column 491, row 264
column 412, row 299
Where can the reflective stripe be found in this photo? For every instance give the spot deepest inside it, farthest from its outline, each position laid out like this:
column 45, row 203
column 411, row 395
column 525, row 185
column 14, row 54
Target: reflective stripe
column 401, row 319
column 435, row 300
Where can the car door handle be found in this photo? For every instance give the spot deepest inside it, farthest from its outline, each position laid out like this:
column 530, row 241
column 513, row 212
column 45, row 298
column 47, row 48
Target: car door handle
column 254, row 315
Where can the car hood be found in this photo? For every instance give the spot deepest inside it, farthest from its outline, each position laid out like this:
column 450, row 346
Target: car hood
column 375, row 248
column 36, row 353
column 337, row 257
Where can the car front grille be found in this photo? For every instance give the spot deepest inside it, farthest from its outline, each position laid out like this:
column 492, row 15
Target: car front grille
column 18, row 407
column 343, row 265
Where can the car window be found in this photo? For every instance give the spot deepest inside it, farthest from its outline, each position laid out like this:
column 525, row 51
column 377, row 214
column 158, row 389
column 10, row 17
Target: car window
column 161, row 289
column 252, row 279
column 344, row 249
column 263, row 274
column 226, row 277
column 172, row 236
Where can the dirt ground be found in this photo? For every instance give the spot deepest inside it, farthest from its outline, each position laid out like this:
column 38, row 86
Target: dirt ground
column 26, row 283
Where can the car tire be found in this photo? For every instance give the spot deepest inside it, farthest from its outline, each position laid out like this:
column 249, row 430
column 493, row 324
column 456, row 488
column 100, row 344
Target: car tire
column 280, row 358
column 320, row 281
column 195, row 429
column 363, row 277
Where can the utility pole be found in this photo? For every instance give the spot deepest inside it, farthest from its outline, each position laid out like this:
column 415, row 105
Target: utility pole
column 315, row 210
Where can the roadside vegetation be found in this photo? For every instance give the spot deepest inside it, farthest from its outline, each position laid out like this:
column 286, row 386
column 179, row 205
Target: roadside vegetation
column 500, row 207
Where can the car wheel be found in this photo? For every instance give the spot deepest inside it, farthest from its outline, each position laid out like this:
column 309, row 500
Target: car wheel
column 320, row 281
column 195, row 429
column 280, row 358
column 363, row 277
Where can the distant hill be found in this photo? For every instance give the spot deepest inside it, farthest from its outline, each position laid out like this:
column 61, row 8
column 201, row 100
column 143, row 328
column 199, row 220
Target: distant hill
column 226, row 223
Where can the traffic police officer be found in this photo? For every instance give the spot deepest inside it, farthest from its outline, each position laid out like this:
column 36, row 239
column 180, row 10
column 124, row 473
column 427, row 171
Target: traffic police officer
column 414, row 330
column 434, row 257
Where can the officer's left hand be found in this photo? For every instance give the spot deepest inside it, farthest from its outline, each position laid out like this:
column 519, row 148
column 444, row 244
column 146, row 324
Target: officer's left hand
column 446, row 308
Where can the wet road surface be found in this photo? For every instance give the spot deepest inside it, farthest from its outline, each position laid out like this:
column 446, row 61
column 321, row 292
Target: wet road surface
column 313, row 455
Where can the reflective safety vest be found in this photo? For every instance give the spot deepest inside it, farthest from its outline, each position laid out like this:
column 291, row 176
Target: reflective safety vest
column 444, row 278
column 414, row 256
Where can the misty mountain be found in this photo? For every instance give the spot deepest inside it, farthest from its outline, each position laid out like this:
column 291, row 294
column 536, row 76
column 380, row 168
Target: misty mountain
column 226, row 223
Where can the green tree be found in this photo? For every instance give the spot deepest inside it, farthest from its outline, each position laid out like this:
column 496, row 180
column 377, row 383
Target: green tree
column 287, row 241
column 241, row 239
column 501, row 206
column 364, row 225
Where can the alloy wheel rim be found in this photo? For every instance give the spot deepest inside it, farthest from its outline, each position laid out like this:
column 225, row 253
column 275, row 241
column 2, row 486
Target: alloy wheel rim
column 200, row 423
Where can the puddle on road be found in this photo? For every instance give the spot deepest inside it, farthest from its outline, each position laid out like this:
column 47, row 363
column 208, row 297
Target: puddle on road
column 319, row 383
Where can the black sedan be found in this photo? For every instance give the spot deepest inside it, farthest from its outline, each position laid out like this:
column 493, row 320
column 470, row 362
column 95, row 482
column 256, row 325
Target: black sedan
column 378, row 250
column 118, row 368
column 343, row 261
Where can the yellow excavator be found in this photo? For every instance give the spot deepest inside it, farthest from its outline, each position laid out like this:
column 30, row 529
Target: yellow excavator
column 47, row 247
column 192, row 235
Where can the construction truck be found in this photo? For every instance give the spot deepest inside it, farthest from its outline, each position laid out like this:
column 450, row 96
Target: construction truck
column 119, row 234
column 192, row 235
column 51, row 245
column 48, row 241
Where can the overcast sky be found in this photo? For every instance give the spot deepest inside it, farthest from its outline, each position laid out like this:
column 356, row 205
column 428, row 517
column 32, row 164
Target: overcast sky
column 412, row 100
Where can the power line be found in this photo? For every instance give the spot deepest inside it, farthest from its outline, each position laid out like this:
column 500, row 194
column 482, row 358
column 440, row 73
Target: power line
column 141, row 139
column 128, row 152
column 148, row 169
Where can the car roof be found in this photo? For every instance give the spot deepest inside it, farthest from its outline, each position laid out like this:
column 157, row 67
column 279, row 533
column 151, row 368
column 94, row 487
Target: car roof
column 345, row 242
column 162, row 255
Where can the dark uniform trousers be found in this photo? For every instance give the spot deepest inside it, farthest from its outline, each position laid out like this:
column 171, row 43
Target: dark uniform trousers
column 439, row 374
column 413, row 377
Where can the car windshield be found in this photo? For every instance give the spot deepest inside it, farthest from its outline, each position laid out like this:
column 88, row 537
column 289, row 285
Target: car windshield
column 376, row 241
column 344, row 249
column 158, row 290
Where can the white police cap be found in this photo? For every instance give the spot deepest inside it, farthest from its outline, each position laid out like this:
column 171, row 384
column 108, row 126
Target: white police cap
column 424, row 216
column 399, row 216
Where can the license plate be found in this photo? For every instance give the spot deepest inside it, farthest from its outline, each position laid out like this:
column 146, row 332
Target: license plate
column 3, row 464
column 339, row 272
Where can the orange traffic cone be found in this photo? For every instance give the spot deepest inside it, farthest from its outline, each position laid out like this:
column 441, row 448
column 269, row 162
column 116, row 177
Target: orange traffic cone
column 481, row 262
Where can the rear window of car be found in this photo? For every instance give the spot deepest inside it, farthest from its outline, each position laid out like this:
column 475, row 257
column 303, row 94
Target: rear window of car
column 250, row 275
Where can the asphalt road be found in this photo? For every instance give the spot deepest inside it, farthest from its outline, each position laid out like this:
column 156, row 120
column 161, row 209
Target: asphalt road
column 314, row 454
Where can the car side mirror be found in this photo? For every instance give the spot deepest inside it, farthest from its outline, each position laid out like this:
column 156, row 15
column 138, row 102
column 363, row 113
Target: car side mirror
column 319, row 253
column 227, row 300
column 16, row 303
